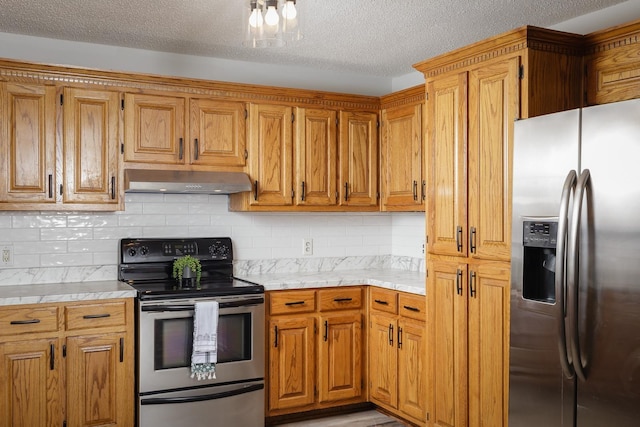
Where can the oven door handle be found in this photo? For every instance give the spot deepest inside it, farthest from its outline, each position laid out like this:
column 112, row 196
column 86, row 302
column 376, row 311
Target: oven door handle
column 201, row 398
column 191, row 307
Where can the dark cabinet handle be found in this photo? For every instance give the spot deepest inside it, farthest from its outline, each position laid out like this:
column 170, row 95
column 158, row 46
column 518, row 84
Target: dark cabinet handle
column 96, row 316
column 303, row 191
column 196, row 149
column 472, row 240
column 180, row 149
column 342, row 299
column 346, row 191
column 415, row 190
column 424, row 190
column 415, row 309
column 113, row 188
column 121, row 350
column 459, row 282
column 381, row 302
column 275, row 332
column 390, row 334
column 52, row 357
column 459, row 238
column 399, row 337
column 50, row 186
column 472, row 284
column 326, row 330
column 255, row 191
column 24, row 322
column 294, row 303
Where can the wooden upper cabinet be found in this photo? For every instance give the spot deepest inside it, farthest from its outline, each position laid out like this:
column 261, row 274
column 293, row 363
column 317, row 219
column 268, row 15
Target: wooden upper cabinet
column 494, row 100
column 28, row 156
column 271, row 154
column 358, row 159
column 218, row 133
column 315, row 149
column 154, row 129
column 90, row 141
column 401, row 159
column 446, row 158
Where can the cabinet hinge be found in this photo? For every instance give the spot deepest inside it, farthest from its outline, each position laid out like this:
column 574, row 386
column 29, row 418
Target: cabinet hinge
column 64, row 423
column 246, row 114
column 61, row 189
column 122, row 104
column 378, row 124
column 427, row 416
column 293, row 117
column 246, row 154
column 122, row 148
column 427, row 272
column 426, row 239
column 378, row 195
column 64, row 350
column 293, row 194
column 315, row 391
column 337, row 121
column 61, row 99
column 521, row 72
column 426, row 96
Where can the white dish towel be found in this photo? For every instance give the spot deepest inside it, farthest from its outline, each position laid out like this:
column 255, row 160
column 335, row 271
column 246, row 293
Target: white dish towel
column 205, row 340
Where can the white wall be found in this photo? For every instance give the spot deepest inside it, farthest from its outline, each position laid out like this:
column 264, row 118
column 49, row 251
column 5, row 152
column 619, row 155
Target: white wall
column 49, row 245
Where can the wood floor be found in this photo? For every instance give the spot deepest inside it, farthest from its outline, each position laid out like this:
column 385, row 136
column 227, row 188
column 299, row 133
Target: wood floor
column 359, row 419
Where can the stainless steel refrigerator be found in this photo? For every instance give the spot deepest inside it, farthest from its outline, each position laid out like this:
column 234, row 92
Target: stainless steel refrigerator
column 575, row 296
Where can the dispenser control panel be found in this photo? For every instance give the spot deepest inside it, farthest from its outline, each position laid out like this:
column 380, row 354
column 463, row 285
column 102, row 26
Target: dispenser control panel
column 540, row 234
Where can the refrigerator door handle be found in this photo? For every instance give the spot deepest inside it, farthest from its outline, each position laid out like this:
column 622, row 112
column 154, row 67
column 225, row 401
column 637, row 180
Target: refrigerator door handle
column 560, row 274
column 573, row 282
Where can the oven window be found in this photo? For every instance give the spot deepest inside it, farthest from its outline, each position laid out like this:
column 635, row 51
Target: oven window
column 174, row 340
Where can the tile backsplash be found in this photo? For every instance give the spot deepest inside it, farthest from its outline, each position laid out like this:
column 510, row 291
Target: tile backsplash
column 80, row 246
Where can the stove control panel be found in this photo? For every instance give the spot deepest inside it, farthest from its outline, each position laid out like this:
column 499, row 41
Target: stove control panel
column 163, row 250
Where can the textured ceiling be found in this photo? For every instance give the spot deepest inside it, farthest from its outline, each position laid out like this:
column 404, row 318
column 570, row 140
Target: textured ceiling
column 372, row 37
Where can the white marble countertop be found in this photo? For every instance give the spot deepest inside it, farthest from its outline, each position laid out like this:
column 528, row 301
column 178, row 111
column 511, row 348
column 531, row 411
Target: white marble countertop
column 64, row 292
column 399, row 280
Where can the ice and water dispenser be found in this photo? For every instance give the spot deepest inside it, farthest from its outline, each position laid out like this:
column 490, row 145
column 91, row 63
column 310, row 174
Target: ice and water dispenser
column 539, row 241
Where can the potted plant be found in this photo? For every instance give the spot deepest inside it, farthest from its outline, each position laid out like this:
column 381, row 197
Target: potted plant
column 185, row 267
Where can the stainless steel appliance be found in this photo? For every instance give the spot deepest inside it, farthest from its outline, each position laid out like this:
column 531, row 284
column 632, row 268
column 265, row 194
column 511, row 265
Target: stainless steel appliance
column 575, row 300
column 166, row 393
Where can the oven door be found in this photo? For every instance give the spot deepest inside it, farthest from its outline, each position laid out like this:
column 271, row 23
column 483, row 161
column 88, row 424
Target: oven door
column 165, row 342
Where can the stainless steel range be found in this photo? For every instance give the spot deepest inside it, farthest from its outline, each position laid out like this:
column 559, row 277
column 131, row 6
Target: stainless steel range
column 166, row 393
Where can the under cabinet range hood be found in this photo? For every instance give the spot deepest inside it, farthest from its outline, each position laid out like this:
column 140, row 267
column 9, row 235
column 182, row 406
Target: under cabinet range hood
column 185, row 182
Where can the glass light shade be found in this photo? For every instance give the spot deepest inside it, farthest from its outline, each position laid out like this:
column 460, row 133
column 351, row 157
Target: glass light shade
column 291, row 22
column 271, row 17
column 255, row 19
column 289, row 10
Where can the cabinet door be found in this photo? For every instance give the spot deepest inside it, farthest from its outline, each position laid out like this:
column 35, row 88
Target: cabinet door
column 154, row 129
column 358, row 154
column 271, row 155
column 291, row 355
column 29, row 384
column 447, row 332
column 383, row 359
column 91, row 123
column 340, row 357
column 447, row 165
column 99, row 391
column 401, row 157
column 218, row 133
column 489, row 290
column 316, row 160
column 412, row 381
column 27, row 125
column 494, row 100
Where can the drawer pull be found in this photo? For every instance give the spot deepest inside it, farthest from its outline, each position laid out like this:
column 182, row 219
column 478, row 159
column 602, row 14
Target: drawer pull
column 294, row 303
column 408, row 307
column 342, row 299
column 52, row 357
column 382, row 302
column 96, row 316
column 25, row 322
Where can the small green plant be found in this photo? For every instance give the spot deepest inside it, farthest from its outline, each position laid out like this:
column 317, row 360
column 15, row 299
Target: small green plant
column 186, row 261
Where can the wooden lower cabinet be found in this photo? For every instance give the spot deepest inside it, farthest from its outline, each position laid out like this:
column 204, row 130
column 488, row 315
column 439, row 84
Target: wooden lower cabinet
column 60, row 369
column 315, row 349
column 397, row 349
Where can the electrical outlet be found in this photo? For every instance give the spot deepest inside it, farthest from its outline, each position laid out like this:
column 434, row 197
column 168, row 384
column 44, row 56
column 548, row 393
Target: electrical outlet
column 307, row 246
column 422, row 248
column 7, row 256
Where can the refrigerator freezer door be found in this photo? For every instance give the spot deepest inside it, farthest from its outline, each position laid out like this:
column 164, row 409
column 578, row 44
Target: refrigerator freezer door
column 546, row 149
column 609, row 285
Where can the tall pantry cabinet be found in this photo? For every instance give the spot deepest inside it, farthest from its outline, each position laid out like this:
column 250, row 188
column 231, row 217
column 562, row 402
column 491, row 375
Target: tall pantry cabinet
column 473, row 96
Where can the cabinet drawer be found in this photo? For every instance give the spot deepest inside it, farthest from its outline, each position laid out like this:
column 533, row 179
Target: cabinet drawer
column 285, row 302
column 412, row 306
column 22, row 320
column 339, row 299
column 384, row 300
column 88, row 316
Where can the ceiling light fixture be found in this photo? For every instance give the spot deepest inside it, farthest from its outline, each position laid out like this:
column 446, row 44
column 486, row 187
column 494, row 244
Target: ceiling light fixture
column 264, row 27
